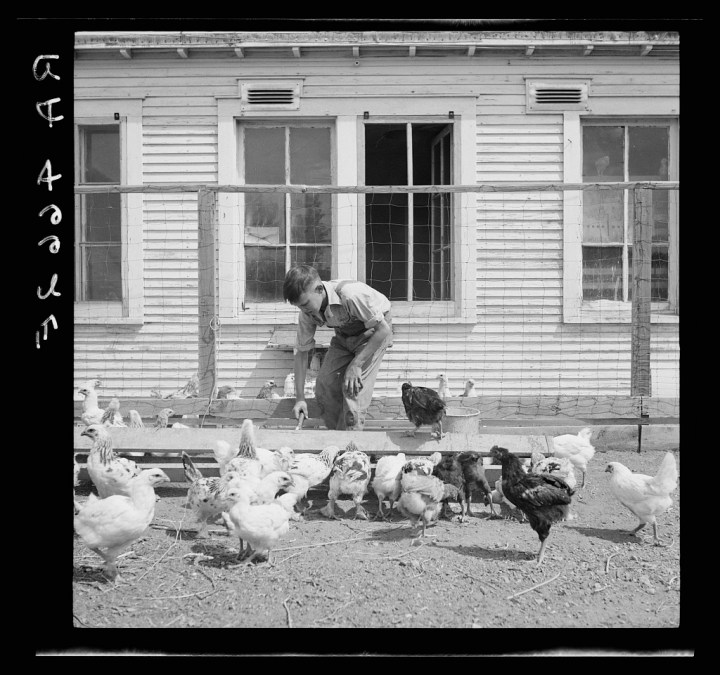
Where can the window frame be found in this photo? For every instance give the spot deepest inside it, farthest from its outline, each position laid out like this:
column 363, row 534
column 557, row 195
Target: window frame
column 575, row 309
column 346, row 115
column 101, row 112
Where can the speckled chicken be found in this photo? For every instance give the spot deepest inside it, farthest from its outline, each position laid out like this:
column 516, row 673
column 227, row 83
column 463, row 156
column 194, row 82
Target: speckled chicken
column 350, row 475
column 163, row 418
column 422, row 465
column 205, row 496
column 558, row 466
column 421, row 499
column 645, row 496
column 109, row 473
column 268, row 391
column 134, row 420
column 545, row 499
column 386, row 483
column 260, row 526
column 108, row 526
column 577, row 449
column 423, row 406
column 450, row 471
column 112, row 417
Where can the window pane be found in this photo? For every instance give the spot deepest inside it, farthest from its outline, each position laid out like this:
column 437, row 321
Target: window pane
column 659, row 274
column 386, row 244
column 603, row 216
column 264, row 273
column 102, row 273
column 386, row 154
column 318, row 257
column 648, row 153
column 265, row 155
column 103, row 221
column 310, row 156
column 310, row 218
column 102, row 154
column 603, row 154
column 264, row 218
column 602, row 273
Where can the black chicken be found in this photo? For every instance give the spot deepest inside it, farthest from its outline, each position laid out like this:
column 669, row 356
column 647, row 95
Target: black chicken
column 423, row 406
column 474, row 478
column 543, row 498
column 450, row 472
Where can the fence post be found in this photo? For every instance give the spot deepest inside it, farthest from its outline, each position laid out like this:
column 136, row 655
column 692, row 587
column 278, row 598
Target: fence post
column 640, row 381
column 207, row 366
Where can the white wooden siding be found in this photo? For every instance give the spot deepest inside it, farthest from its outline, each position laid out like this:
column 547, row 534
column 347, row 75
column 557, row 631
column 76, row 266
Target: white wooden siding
column 519, row 344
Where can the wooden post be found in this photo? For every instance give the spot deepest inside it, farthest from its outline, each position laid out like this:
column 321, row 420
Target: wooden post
column 640, row 381
column 207, row 366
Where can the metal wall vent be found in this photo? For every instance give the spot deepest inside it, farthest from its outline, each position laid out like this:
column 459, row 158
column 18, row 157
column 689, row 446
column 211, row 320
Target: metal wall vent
column 545, row 96
column 270, row 95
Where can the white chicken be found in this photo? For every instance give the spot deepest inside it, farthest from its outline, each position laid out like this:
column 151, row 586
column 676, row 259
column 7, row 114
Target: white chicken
column 259, row 525
column 469, row 389
column 422, row 465
column 558, row 466
column 107, row 526
column 109, row 473
column 112, row 417
column 91, row 412
column 601, row 164
column 421, row 499
column 76, row 466
column 350, row 475
column 443, row 386
column 289, row 387
column 135, row 421
column 575, row 448
column 309, row 470
column 386, row 483
column 646, row 496
column 227, row 392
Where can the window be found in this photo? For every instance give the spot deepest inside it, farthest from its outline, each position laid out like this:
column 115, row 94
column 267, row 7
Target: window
column 108, row 225
column 419, row 249
column 284, row 229
column 98, row 274
column 599, row 223
column 408, row 236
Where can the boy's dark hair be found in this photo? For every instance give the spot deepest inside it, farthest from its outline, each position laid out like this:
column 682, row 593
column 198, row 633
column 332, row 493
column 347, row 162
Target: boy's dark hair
column 297, row 280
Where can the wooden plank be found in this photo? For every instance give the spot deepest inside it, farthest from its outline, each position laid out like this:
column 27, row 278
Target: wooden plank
column 207, row 368
column 640, row 382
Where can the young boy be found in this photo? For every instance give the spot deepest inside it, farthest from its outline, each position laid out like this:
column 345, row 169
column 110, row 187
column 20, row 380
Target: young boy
column 363, row 331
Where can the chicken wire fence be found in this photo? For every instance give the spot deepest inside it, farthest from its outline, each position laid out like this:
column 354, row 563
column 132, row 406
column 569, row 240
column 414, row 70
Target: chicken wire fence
column 527, row 290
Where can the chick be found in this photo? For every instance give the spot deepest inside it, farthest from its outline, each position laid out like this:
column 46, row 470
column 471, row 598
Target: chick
column 76, row 481
column 577, row 449
column 259, row 525
column 309, row 470
column 109, row 473
column 91, row 412
column 386, row 483
column 268, row 391
column 112, row 417
column 422, row 465
column 469, row 388
column 350, row 475
column 420, row 499
column 450, row 471
column 163, row 418
column 289, row 386
column 443, row 386
column 645, row 496
column 423, row 406
column 135, row 420
column 107, row 526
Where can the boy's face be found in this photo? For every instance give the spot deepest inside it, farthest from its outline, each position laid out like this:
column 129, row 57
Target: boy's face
column 310, row 302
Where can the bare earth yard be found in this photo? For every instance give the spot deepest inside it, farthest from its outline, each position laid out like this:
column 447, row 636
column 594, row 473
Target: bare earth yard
column 366, row 574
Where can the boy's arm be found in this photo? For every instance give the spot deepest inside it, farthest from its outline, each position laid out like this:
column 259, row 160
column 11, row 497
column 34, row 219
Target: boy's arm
column 352, row 382
column 300, row 369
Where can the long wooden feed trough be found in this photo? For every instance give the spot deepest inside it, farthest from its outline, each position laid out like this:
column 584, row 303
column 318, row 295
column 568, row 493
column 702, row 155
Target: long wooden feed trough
column 163, row 447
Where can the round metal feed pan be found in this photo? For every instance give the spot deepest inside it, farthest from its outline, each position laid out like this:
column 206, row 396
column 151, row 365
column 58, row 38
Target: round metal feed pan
column 461, row 421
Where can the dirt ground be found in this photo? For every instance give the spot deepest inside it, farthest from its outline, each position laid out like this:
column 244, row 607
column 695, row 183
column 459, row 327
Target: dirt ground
column 352, row 573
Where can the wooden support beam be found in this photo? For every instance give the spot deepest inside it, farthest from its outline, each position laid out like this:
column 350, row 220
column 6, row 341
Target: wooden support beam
column 207, row 324
column 239, row 52
column 126, row 53
column 183, row 53
column 640, row 383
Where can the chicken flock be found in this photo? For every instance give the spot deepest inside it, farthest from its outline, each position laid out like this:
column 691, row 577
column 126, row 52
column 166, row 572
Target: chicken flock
column 259, row 491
